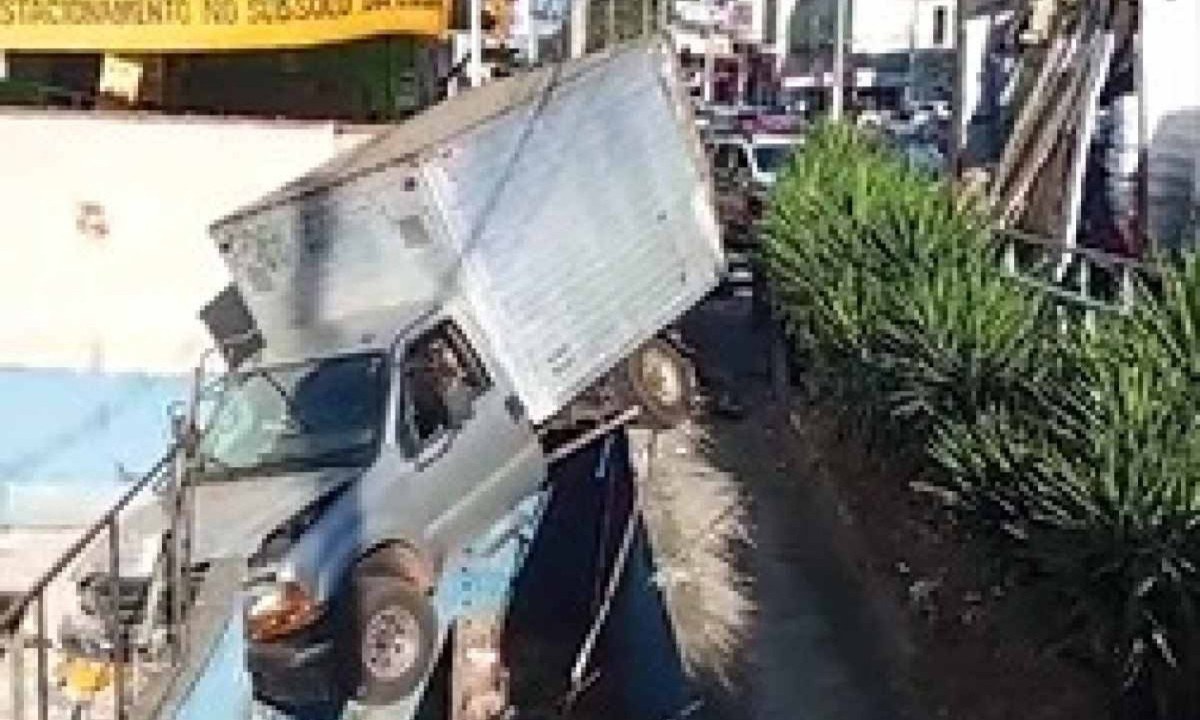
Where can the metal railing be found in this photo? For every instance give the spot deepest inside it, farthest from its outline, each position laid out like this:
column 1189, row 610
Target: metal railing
column 1082, row 278
column 166, row 587
column 116, row 657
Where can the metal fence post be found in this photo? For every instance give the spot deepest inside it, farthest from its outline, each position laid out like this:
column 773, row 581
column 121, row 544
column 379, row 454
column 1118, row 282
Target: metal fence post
column 43, row 681
column 611, row 34
column 175, row 561
column 16, row 653
column 1126, row 289
column 1085, row 291
column 117, row 632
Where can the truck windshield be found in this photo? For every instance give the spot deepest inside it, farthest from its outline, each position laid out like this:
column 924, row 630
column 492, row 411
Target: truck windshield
column 319, row 413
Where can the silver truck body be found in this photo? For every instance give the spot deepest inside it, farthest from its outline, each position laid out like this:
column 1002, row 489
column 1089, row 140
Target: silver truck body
column 536, row 231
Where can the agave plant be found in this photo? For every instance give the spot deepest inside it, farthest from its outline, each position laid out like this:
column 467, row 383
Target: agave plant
column 1099, row 495
column 1079, row 450
column 823, row 263
column 965, row 340
column 896, row 285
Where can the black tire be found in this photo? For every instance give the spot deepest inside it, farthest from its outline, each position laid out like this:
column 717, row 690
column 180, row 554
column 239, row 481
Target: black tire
column 662, row 381
column 387, row 604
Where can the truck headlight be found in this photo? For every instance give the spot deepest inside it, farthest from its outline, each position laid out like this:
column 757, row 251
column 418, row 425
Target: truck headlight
column 280, row 610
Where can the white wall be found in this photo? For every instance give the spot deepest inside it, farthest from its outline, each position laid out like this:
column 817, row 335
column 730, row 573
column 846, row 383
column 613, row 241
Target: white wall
column 694, row 42
column 1171, row 77
column 876, row 27
column 887, row 26
column 695, row 12
column 126, row 299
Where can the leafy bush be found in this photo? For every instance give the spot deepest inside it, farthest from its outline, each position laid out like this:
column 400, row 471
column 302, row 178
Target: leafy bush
column 1099, row 495
column 1078, row 450
column 896, row 286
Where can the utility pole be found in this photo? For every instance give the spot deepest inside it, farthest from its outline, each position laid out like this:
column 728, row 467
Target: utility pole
column 910, row 90
column 475, row 64
column 533, row 39
column 839, row 62
column 710, row 61
column 579, row 18
column 662, row 15
column 612, row 23
column 958, row 122
column 647, row 23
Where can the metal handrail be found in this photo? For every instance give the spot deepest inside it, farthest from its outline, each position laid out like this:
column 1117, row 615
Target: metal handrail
column 1126, row 270
column 176, row 461
column 1099, row 257
column 35, row 597
column 13, row 616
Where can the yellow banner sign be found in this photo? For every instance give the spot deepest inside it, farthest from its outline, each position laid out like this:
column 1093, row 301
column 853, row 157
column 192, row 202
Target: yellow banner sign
column 152, row 26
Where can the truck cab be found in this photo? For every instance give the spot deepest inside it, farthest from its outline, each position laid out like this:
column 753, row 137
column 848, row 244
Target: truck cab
column 409, row 445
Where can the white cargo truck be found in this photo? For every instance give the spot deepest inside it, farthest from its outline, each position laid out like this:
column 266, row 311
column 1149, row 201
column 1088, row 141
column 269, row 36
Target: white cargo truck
column 427, row 306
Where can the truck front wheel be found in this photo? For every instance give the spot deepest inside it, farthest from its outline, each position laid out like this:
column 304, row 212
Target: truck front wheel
column 393, row 635
column 662, row 381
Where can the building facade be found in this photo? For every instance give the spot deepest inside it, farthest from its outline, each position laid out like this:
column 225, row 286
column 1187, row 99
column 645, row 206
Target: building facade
column 898, row 51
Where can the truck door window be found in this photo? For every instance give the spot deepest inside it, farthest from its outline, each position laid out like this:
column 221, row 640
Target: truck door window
column 442, row 380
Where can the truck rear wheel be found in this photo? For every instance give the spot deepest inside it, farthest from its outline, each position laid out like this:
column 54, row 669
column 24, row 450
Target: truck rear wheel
column 660, row 379
column 393, row 635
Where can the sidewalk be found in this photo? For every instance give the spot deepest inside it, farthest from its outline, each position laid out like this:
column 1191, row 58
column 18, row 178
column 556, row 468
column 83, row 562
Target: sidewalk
column 816, row 650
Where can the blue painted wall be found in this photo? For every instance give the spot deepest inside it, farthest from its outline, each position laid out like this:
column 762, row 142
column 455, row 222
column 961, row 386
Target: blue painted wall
column 64, row 433
column 223, row 690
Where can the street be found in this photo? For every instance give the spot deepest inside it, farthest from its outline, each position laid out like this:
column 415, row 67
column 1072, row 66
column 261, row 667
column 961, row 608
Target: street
column 813, row 647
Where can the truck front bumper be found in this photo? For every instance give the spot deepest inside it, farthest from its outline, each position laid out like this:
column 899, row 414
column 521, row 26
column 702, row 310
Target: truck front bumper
column 301, row 669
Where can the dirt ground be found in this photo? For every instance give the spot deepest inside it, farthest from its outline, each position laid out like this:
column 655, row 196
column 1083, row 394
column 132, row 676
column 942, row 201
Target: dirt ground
column 867, row 604
column 968, row 652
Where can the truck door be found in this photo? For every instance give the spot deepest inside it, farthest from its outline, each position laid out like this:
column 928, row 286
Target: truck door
column 474, row 452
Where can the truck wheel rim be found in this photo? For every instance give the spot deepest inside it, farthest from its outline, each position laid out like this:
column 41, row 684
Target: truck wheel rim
column 391, row 642
column 661, row 377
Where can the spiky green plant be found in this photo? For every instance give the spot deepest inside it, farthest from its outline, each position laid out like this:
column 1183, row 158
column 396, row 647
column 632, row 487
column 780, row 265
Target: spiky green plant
column 896, row 285
column 1099, row 495
column 1079, row 450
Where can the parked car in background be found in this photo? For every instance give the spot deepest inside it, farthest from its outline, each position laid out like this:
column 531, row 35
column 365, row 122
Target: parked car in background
column 874, row 119
column 751, row 161
column 932, row 109
column 745, row 167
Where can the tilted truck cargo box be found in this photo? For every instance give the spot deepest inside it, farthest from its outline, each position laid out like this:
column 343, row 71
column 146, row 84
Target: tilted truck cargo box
column 570, row 206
